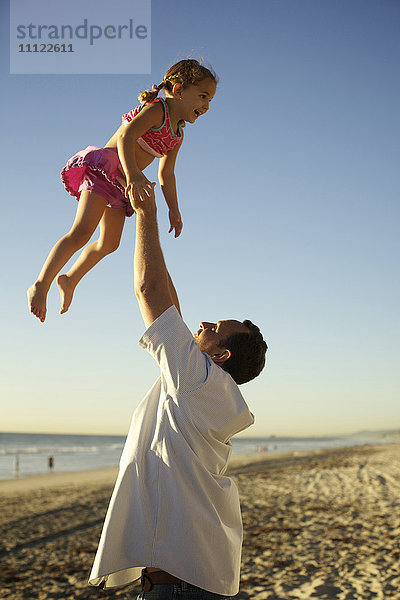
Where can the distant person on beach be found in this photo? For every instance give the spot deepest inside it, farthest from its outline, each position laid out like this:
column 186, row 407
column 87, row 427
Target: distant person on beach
column 174, row 517
column 51, row 463
column 16, row 466
column 103, row 178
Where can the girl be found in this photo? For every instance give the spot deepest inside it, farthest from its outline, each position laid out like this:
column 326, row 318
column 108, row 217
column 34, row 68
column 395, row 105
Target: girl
column 103, row 179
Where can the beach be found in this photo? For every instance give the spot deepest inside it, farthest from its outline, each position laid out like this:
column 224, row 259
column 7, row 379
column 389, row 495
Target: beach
column 321, row 524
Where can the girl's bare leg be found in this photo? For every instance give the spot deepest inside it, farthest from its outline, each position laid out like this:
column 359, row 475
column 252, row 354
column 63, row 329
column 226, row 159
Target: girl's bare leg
column 90, row 210
column 111, row 226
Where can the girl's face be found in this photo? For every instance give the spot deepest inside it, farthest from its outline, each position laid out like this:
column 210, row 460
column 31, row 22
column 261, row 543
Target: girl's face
column 194, row 100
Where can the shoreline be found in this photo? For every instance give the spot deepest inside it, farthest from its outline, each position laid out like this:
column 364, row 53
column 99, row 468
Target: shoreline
column 33, row 459
column 107, row 475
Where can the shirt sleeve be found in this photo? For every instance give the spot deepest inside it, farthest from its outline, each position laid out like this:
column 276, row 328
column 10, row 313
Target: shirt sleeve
column 168, row 339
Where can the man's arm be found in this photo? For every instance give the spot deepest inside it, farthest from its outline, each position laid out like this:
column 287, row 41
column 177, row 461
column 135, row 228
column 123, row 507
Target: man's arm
column 154, row 289
column 173, row 293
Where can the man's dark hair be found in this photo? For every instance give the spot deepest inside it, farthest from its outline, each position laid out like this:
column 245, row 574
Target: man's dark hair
column 248, row 350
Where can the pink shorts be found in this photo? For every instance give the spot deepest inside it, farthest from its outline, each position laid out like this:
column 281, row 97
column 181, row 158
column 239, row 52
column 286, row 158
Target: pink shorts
column 96, row 170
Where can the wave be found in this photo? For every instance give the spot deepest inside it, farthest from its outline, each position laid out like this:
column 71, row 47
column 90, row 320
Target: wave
column 59, row 449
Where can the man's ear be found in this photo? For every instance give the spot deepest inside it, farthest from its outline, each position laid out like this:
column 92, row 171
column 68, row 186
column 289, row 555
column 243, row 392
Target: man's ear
column 221, row 357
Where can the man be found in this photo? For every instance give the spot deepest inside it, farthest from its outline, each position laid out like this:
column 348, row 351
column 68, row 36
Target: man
column 174, row 517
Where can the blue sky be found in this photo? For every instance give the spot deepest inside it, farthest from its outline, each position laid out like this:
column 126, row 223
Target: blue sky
column 289, row 192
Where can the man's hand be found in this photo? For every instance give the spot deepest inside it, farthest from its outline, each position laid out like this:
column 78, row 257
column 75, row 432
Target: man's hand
column 144, row 206
column 138, row 188
column 175, row 222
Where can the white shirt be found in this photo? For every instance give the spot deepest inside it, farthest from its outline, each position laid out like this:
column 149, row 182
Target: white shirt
column 172, row 506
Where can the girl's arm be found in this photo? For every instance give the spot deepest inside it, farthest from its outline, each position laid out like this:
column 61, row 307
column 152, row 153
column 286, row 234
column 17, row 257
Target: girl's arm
column 166, row 177
column 137, row 183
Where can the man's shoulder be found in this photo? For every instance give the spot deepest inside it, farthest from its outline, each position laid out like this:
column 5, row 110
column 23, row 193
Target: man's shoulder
column 169, row 341
column 169, row 321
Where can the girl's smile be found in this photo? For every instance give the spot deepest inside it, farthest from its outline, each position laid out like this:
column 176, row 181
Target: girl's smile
column 196, row 99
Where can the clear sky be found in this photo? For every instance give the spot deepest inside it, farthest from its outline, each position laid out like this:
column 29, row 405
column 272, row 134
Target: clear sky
column 289, row 192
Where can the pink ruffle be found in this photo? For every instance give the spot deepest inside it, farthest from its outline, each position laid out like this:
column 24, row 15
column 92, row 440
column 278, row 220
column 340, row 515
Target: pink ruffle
column 100, row 160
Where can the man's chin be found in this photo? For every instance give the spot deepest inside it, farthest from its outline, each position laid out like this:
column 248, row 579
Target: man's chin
column 198, row 342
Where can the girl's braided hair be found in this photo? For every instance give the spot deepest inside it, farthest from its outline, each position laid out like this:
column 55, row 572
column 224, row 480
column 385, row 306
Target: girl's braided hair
column 187, row 72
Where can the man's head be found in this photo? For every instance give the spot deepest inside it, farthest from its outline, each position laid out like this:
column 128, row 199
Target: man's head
column 236, row 347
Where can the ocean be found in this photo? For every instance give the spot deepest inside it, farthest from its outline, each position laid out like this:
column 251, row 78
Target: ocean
column 25, row 454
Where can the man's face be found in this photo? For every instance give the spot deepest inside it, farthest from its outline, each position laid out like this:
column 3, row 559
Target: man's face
column 210, row 336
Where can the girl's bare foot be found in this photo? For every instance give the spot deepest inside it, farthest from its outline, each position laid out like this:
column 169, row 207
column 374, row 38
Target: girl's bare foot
column 37, row 296
column 66, row 292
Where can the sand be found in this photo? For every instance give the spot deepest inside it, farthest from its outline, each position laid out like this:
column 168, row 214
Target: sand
column 322, row 524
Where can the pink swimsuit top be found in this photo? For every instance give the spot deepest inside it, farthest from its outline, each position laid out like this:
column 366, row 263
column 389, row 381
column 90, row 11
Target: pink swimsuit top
column 156, row 141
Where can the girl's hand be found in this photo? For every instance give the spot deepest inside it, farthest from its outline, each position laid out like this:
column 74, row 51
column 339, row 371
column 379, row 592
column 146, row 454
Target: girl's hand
column 139, row 187
column 175, row 222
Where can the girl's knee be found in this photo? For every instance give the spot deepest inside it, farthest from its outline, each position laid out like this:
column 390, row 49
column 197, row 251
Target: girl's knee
column 109, row 246
column 80, row 236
